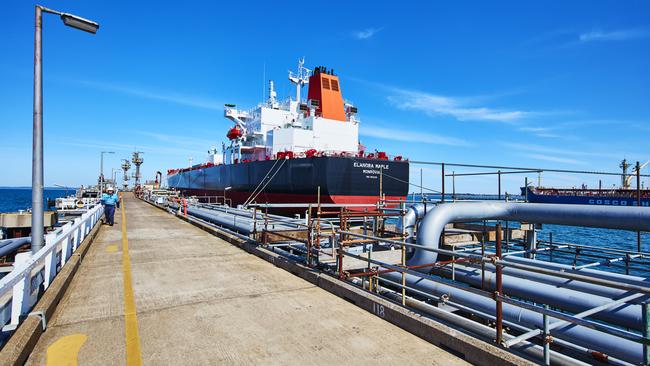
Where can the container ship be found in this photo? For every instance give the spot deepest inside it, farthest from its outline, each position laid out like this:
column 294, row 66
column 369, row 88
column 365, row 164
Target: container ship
column 622, row 196
column 296, row 151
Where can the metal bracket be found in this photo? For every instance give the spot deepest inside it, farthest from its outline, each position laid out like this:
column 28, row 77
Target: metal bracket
column 41, row 314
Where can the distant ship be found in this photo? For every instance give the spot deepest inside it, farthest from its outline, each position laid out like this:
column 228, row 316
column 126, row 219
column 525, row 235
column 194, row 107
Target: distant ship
column 623, row 196
column 289, row 152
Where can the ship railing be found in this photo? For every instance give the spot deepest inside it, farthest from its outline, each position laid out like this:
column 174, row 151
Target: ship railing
column 20, row 288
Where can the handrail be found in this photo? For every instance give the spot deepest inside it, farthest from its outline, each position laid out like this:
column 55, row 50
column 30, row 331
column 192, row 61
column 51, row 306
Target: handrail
column 43, row 266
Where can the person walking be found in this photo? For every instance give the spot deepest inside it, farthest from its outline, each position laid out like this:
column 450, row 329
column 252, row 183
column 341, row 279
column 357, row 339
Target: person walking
column 110, row 200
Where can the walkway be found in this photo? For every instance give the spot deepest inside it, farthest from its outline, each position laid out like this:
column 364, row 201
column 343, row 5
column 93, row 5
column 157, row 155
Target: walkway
column 202, row 301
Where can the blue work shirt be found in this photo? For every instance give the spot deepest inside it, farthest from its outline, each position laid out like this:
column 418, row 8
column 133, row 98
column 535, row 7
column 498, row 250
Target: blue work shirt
column 109, row 199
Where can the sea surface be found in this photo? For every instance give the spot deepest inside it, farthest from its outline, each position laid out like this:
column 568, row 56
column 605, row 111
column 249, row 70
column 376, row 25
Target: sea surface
column 15, row 199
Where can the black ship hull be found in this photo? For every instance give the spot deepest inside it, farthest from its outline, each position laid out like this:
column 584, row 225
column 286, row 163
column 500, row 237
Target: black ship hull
column 340, row 180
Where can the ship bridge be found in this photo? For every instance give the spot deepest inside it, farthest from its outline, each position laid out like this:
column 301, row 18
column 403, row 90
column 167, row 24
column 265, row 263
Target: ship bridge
column 323, row 123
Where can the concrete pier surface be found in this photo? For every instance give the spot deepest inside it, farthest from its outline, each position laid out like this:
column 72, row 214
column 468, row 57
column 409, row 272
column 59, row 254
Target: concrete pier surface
column 164, row 292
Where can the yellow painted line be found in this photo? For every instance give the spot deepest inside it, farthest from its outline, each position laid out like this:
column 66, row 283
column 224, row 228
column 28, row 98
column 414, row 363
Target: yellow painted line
column 111, row 248
column 133, row 355
column 64, row 351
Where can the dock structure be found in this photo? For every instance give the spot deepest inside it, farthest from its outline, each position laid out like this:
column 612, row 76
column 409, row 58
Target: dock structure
column 156, row 290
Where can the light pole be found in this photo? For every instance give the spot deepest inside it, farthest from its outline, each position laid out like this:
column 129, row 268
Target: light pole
column 37, row 142
column 101, row 170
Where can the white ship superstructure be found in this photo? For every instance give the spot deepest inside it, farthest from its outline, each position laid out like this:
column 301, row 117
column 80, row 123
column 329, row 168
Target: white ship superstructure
column 323, row 124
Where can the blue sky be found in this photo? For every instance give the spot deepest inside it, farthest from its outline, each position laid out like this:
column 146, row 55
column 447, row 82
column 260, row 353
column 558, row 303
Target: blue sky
column 545, row 84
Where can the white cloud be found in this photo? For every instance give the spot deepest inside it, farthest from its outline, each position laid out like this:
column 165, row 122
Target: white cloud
column 401, row 135
column 366, row 33
column 555, row 159
column 176, row 98
column 616, row 35
column 535, row 129
column 463, row 109
column 541, row 132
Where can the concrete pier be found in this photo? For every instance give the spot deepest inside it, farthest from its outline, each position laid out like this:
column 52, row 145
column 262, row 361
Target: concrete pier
column 164, row 292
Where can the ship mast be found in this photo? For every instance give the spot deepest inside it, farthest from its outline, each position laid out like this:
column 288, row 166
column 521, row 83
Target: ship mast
column 624, row 181
column 300, row 79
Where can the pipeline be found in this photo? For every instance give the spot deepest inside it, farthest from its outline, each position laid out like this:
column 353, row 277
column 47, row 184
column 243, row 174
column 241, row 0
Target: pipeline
column 564, row 283
column 412, row 217
column 234, row 221
column 624, row 315
column 609, row 217
column 625, row 218
column 622, row 278
column 9, row 246
column 484, row 331
column 617, row 347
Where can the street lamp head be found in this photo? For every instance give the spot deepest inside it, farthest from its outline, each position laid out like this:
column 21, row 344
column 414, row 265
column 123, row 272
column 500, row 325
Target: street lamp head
column 79, row 23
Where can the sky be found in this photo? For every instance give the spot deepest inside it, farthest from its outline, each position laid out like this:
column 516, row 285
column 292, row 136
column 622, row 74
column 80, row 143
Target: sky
column 551, row 84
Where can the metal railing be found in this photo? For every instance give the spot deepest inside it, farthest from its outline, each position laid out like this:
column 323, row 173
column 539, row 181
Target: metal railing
column 19, row 290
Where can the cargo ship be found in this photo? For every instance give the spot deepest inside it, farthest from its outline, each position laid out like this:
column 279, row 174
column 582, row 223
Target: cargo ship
column 296, row 151
column 622, row 196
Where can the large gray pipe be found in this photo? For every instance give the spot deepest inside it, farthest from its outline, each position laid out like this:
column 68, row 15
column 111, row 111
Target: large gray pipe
column 8, row 246
column 610, row 217
column 564, row 283
column 413, row 215
column 237, row 223
column 617, row 277
column 624, row 315
column 585, row 337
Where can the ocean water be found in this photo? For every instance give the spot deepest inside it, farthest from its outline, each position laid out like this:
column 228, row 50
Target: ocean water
column 14, row 199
